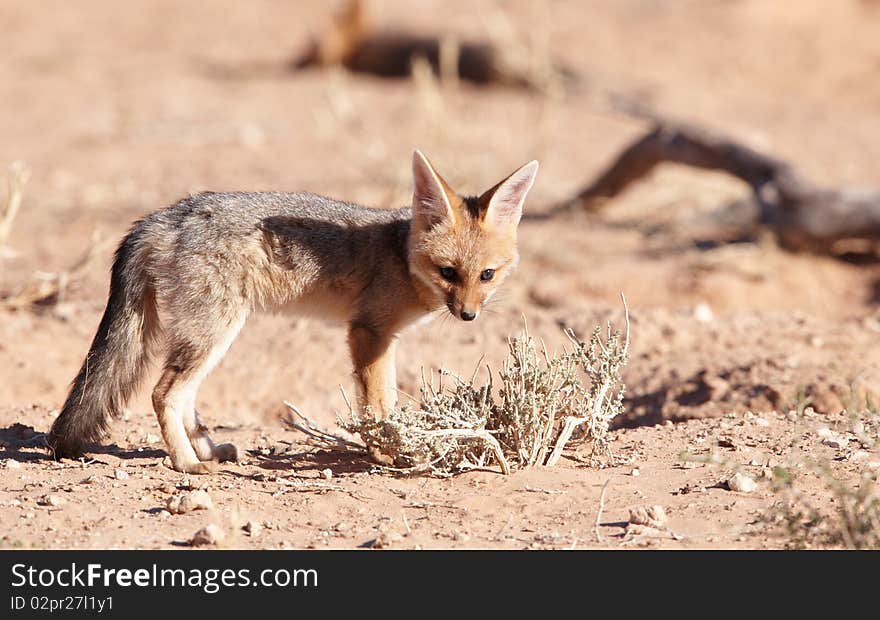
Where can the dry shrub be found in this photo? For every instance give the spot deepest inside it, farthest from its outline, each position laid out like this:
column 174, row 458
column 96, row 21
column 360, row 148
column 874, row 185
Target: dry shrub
column 447, row 431
column 853, row 522
column 545, row 404
column 852, row 519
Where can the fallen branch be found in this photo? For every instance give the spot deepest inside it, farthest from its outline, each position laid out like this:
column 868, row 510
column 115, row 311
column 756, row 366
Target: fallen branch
column 803, row 216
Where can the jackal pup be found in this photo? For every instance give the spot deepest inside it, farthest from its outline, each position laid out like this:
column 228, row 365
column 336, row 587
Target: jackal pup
column 211, row 259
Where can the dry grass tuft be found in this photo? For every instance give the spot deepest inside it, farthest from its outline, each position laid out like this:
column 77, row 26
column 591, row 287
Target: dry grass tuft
column 48, row 288
column 545, row 404
column 19, row 174
column 852, row 523
column 851, row 519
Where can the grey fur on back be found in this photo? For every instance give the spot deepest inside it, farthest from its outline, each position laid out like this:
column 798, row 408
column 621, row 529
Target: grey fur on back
column 210, row 259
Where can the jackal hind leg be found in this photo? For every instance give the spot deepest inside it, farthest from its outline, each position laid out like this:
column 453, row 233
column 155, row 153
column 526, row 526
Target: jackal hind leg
column 187, row 365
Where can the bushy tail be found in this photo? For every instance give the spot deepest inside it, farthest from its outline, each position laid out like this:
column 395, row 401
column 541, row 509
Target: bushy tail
column 118, row 355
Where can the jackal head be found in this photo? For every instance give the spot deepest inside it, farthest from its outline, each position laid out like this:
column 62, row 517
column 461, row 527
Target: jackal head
column 462, row 247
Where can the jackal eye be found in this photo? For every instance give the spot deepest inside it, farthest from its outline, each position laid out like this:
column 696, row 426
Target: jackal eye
column 448, row 273
column 487, row 275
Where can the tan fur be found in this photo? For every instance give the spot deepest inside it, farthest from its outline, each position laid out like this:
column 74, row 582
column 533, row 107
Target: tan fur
column 210, row 260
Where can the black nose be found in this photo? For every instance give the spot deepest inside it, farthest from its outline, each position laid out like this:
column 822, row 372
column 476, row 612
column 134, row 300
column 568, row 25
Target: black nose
column 468, row 316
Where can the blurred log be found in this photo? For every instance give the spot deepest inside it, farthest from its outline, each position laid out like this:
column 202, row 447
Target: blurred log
column 803, row 216
column 354, row 42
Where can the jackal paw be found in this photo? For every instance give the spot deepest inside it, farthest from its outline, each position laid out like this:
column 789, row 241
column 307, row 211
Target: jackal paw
column 197, row 468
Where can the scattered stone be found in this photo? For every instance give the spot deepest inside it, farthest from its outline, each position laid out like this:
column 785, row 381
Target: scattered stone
column 859, row 455
column 741, row 483
column 635, row 472
column 689, row 488
column 635, row 530
column 120, row 474
column 211, row 534
column 188, row 502
column 761, row 422
column 650, row 516
column 835, row 441
column 703, row 313
column 88, row 480
column 327, row 474
column 51, row 500
column 825, row 432
column 11, row 464
column 252, row 528
column 383, row 541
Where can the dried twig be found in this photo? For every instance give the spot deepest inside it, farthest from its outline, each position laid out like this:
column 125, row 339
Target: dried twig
column 598, row 523
column 327, row 439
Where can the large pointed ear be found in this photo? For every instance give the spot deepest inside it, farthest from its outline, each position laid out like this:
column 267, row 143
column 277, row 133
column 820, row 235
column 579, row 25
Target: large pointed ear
column 503, row 203
column 431, row 204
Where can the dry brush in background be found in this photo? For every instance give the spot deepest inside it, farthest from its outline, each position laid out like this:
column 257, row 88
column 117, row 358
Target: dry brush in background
column 354, row 40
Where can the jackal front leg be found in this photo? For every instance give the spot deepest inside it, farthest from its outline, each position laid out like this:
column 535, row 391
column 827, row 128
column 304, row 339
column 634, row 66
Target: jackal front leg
column 373, row 355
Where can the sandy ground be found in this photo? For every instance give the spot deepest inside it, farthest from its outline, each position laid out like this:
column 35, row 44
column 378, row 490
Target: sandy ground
column 121, row 109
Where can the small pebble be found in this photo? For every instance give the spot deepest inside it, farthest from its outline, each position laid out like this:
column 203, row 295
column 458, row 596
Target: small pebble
column 327, row 473
column 635, row 472
column 837, row 442
column 253, row 528
column 188, row 502
column 741, row 483
column 51, row 500
column 650, row 516
column 120, row 474
column 703, row 313
column 383, row 541
column 209, row 535
column 11, row 464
